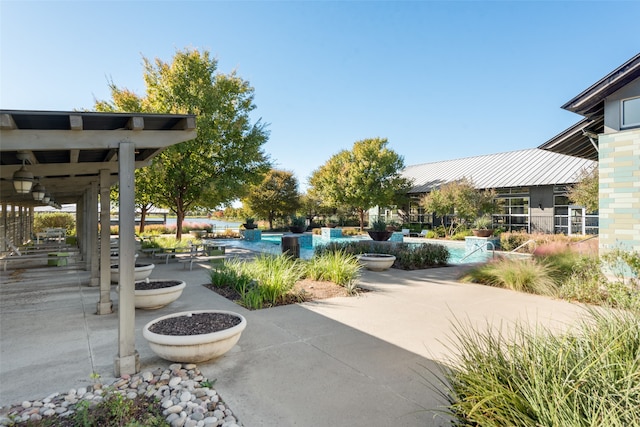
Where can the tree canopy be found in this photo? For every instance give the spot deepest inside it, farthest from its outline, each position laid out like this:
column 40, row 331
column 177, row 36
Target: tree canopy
column 460, row 201
column 585, row 191
column 275, row 197
column 368, row 175
column 225, row 158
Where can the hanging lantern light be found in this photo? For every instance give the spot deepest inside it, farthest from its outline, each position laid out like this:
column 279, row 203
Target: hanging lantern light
column 38, row 192
column 22, row 180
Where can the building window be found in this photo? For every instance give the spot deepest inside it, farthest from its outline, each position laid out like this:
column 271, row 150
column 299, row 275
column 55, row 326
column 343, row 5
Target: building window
column 561, row 214
column 515, row 210
column 630, row 114
column 564, row 223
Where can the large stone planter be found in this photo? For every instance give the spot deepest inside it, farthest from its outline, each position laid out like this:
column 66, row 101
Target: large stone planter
column 482, row 232
column 376, row 262
column 297, row 229
column 141, row 272
column 194, row 348
column 379, row 236
column 151, row 299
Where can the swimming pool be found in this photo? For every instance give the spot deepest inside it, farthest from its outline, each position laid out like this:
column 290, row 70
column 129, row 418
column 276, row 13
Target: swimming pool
column 270, row 243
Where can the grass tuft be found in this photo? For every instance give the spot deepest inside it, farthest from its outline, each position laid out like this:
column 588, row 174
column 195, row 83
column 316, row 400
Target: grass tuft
column 588, row 377
column 523, row 275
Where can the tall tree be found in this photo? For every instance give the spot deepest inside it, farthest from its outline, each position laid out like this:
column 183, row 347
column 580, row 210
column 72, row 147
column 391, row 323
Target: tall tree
column 275, row 197
column 368, row 175
column 585, row 191
column 460, row 201
column 146, row 181
column 226, row 157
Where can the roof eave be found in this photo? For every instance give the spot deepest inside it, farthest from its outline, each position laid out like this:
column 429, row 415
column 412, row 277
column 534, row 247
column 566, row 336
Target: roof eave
column 589, row 103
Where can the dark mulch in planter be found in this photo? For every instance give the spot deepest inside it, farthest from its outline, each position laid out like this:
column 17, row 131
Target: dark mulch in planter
column 137, row 265
column 196, row 324
column 156, row 284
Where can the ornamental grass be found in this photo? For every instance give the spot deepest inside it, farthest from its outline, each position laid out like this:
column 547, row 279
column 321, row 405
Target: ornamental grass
column 589, row 376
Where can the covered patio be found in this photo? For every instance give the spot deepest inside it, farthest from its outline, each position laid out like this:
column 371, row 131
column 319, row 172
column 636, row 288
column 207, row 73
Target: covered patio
column 77, row 157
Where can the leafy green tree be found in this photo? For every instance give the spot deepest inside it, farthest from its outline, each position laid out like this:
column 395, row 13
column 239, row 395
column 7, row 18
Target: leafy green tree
column 366, row 176
column 226, row 157
column 147, row 183
column 585, row 191
column 275, row 197
column 460, row 201
column 311, row 206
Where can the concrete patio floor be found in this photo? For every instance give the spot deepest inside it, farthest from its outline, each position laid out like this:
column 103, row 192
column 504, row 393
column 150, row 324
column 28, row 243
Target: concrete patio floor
column 353, row 361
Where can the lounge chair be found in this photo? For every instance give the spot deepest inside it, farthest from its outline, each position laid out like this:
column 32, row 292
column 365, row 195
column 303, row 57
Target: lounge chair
column 406, row 232
column 423, row 233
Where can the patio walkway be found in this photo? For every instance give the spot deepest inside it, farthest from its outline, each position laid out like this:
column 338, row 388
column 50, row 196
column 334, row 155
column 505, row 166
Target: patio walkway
column 355, row 361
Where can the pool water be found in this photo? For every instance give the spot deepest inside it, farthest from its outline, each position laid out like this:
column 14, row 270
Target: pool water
column 270, row 243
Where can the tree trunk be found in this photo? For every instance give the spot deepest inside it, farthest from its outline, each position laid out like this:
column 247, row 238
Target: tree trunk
column 179, row 219
column 143, row 216
column 361, row 215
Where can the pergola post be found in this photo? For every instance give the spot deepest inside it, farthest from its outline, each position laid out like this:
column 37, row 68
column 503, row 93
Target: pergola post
column 92, row 233
column 105, row 306
column 80, row 228
column 5, row 235
column 128, row 360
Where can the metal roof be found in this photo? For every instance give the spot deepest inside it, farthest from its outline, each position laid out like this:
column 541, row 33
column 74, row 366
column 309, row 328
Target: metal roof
column 523, row 168
column 66, row 150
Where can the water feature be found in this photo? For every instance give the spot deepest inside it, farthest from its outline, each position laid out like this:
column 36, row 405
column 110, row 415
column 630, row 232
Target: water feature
column 271, row 243
column 215, row 223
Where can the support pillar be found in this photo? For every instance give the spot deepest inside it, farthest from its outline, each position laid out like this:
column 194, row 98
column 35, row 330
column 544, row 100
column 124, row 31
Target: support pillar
column 105, row 305
column 80, row 227
column 127, row 361
column 5, row 235
column 92, row 234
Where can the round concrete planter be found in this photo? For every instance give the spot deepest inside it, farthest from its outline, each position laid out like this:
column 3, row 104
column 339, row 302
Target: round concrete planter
column 141, row 272
column 376, row 262
column 151, row 299
column 194, row 348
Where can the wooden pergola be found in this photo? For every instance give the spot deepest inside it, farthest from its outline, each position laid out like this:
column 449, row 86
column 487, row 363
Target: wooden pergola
column 77, row 157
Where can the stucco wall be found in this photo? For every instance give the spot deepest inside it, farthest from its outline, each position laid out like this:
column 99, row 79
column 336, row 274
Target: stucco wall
column 612, row 105
column 541, row 206
column 620, row 190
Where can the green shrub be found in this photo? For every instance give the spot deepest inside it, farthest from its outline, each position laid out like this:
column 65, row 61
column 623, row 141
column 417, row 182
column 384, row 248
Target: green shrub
column 588, row 377
column 266, row 280
column 416, row 257
column 461, row 234
column 523, row 275
column 437, row 232
column 154, row 230
column 624, row 263
column 44, row 220
column 510, row 240
column 338, row 267
column 275, row 275
column 408, row 257
column 563, row 263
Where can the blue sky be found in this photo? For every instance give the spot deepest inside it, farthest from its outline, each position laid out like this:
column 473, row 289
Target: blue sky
column 440, row 80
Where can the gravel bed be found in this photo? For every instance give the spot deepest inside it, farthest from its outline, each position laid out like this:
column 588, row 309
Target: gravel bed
column 146, row 285
column 195, row 324
column 179, row 390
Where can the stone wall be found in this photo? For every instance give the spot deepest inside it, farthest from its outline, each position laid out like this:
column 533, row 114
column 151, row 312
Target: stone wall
column 619, row 170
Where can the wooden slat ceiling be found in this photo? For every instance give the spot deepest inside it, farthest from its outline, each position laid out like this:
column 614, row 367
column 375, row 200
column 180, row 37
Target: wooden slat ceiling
column 66, row 150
